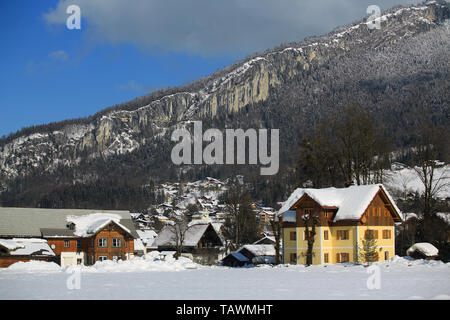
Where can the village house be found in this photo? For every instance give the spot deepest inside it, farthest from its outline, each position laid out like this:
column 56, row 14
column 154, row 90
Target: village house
column 201, row 242
column 345, row 216
column 250, row 254
column 74, row 236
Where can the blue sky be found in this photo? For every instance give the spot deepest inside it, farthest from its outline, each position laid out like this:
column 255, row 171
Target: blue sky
column 126, row 49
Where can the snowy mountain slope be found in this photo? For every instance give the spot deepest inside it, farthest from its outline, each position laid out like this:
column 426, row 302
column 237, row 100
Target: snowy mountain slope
column 314, row 74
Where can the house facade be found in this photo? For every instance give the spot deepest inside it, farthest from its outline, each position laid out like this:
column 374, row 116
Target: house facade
column 344, row 217
column 76, row 237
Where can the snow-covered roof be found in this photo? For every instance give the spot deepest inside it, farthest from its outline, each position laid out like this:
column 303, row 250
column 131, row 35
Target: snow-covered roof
column 445, row 216
column 147, row 236
column 410, row 215
column 138, row 245
column 351, row 202
column 425, row 248
column 191, row 238
column 266, row 237
column 260, row 249
column 26, row 247
column 90, row 224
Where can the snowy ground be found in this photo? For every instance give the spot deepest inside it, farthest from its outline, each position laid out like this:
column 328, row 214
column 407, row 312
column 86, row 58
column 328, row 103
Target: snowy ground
column 148, row 279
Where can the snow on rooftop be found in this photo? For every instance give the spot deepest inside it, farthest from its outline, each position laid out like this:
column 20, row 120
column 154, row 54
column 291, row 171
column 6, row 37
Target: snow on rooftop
column 26, row 247
column 351, row 202
column 260, row 249
column 89, row 224
column 191, row 238
column 425, row 248
column 444, row 216
column 139, row 245
column 147, row 237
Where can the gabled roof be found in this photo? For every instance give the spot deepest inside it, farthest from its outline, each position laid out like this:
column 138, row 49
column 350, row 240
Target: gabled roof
column 147, row 237
column 90, row 224
column 350, row 202
column 259, row 249
column 193, row 234
column 427, row 249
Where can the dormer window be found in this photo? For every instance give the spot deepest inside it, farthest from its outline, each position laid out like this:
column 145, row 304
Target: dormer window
column 71, row 226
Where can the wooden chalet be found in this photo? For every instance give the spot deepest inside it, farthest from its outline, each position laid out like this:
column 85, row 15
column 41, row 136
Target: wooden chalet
column 344, row 217
column 74, row 236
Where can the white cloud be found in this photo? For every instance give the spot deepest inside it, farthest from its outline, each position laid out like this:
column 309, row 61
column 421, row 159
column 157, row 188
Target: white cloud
column 59, row 55
column 209, row 27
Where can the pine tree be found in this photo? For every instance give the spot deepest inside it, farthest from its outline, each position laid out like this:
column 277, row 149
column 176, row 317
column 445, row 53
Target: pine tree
column 368, row 253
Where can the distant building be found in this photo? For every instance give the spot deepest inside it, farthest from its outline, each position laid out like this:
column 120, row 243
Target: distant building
column 250, row 254
column 423, row 250
column 21, row 249
column 201, row 243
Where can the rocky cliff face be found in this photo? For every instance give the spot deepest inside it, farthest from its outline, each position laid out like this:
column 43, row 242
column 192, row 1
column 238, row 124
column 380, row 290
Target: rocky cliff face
column 248, row 83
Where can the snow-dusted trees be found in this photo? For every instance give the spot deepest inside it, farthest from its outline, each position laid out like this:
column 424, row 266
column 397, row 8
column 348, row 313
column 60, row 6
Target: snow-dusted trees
column 311, row 220
column 345, row 145
column 178, row 229
column 241, row 223
column 277, row 224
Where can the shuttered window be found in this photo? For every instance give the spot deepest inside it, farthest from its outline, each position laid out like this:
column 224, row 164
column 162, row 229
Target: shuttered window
column 305, row 234
column 325, row 258
column 342, row 234
column 325, row 235
column 342, row 257
column 386, row 234
column 371, row 234
column 293, row 235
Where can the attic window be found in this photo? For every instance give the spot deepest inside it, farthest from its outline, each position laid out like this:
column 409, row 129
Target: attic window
column 71, row 226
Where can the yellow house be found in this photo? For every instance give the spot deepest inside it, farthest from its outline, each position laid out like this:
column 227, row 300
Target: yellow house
column 344, row 216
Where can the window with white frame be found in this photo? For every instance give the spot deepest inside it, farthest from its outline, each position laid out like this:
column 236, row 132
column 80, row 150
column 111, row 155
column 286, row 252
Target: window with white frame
column 102, row 258
column 117, row 243
column 102, row 242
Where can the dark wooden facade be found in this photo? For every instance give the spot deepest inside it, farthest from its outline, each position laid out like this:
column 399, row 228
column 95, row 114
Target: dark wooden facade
column 7, row 260
column 90, row 245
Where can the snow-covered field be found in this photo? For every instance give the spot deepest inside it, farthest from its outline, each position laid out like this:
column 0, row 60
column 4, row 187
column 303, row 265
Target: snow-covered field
column 400, row 278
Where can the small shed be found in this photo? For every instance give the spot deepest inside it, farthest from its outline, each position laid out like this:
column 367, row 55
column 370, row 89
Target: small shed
column 250, row 254
column 18, row 249
column 423, row 250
